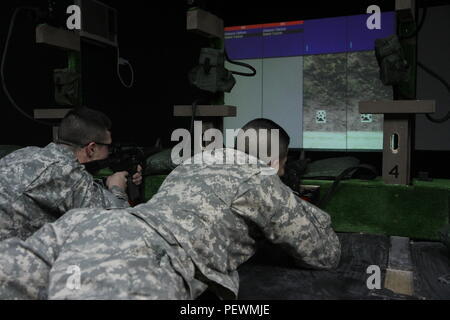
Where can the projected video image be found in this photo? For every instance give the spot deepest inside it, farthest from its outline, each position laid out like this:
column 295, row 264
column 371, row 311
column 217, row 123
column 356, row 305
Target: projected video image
column 324, row 101
column 310, row 78
column 364, row 131
column 333, row 86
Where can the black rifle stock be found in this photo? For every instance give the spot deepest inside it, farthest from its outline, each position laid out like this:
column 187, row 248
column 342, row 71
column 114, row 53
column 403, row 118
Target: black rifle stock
column 125, row 159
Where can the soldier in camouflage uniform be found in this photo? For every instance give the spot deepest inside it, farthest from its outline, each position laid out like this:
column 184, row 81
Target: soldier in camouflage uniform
column 38, row 185
column 203, row 223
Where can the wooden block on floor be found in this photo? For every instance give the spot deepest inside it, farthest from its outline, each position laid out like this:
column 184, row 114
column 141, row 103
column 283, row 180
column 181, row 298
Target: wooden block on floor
column 399, row 274
column 399, row 281
column 399, row 254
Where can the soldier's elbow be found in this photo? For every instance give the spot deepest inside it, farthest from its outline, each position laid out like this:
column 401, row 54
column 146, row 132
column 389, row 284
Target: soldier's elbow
column 326, row 260
column 334, row 256
column 330, row 257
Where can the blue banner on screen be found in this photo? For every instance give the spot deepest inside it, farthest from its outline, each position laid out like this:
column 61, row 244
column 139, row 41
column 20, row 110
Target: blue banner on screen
column 311, row 74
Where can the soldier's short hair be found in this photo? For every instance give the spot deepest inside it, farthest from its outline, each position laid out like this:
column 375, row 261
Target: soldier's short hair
column 266, row 124
column 84, row 125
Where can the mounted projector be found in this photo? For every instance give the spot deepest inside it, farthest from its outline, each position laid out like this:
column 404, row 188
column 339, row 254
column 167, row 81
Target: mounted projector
column 210, row 75
column 98, row 22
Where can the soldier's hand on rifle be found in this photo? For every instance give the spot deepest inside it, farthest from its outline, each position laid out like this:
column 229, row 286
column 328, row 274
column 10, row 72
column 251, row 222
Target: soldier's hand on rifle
column 118, row 179
column 137, row 177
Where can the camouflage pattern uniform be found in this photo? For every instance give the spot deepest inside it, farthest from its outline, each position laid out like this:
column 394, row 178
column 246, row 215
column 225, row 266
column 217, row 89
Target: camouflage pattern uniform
column 195, row 232
column 38, row 185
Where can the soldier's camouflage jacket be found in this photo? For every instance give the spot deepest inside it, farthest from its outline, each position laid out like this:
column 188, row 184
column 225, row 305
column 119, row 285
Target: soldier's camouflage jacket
column 38, row 185
column 195, row 232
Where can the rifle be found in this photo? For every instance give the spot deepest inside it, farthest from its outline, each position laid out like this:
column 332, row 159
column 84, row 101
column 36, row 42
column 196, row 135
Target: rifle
column 125, row 158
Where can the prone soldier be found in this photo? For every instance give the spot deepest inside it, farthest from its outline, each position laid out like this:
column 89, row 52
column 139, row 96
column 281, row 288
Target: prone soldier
column 203, row 223
column 38, row 185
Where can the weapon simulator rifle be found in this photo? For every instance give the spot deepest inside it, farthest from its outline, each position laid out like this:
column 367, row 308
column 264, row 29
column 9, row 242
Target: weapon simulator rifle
column 124, row 158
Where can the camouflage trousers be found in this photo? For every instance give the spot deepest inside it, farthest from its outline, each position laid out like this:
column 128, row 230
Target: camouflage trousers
column 95, row 254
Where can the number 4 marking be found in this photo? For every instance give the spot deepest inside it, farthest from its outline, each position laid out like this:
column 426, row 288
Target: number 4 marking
column 394, row 172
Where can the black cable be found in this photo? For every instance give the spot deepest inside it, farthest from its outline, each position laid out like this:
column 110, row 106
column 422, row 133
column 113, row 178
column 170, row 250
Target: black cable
column 2, row 67
column 349, row 171
column 121, row 61
column 442, row 80
column 194, row 111
column 425, row 68
column 435, row 75
column 420, row 25
column 240, row 64
column 194, row 114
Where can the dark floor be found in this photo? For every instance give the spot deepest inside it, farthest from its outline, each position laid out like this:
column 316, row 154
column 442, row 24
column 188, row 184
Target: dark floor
column 271, row 274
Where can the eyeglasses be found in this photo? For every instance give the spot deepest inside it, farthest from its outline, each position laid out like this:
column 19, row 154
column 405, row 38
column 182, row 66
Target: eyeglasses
column 108, row 145
column 103, row 144
column 70, row 143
